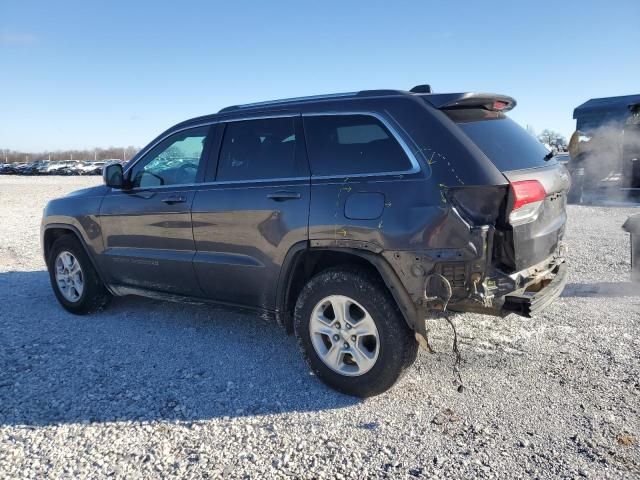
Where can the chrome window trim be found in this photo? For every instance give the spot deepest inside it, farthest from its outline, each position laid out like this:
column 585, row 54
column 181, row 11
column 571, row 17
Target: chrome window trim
column 415, row 165
column 341, row 178
column 159, row 187
column 260, row 180
column 213, row 184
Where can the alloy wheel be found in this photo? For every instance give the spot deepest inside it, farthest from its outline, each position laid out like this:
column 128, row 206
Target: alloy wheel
column 344, row 335
column 69, row 276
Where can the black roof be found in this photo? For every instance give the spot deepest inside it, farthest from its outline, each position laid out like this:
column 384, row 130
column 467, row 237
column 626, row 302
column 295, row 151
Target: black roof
column 598, row 111
column 438, row 100
column 312, row 99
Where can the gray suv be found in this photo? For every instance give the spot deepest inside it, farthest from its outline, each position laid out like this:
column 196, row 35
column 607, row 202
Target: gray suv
column 349, row 218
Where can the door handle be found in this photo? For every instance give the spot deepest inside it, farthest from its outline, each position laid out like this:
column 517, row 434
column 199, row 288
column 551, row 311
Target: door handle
column 282, row 196
column 174, row 199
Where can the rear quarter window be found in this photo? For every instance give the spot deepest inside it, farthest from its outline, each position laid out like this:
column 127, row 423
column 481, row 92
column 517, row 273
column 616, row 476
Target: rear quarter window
column 352, row 144
column 503, row 141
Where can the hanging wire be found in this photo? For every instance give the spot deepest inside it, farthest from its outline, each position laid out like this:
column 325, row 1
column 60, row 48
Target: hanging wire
column 445, row 301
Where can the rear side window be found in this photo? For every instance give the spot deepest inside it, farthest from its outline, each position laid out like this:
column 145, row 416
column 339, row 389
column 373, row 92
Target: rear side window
column 506, row 143
column 258, row 149
column 352, row 144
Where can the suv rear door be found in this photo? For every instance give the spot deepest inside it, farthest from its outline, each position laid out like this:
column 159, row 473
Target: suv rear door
column 146, row 229
column 253, row 207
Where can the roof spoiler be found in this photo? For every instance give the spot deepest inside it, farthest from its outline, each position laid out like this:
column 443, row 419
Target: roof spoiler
column 486, row 101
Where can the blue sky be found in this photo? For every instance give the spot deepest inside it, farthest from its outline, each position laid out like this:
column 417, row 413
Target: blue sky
column 79, row 74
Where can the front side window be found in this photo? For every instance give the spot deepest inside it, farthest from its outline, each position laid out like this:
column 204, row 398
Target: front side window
column 258, row 149
column 174, row 161
column 352, row 144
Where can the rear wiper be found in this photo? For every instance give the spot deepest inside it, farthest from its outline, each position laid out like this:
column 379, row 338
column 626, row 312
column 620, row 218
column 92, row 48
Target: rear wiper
column 549, row 156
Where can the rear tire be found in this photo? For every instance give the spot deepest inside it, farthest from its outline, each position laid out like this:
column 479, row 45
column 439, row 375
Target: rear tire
column 365, row 364
column 74, row 280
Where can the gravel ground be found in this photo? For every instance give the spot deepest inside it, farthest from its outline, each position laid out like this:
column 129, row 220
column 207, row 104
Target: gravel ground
column 148, row 389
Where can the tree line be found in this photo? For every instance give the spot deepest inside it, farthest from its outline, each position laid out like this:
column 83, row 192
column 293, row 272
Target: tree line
column 121, row 153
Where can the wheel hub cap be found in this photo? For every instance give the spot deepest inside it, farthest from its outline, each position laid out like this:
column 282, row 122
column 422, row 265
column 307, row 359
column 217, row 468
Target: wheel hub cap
column 344, row 335
column 69, row 276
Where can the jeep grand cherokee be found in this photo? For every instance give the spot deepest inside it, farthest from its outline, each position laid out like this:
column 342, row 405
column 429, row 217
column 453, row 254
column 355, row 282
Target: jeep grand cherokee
column 349, row 218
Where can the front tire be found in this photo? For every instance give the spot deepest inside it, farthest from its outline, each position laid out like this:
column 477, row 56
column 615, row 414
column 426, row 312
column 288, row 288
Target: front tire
column 351, row 332
column 75, row 282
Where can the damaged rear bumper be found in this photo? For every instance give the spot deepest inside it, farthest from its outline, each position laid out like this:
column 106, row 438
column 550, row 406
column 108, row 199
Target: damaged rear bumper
column 431, row 281
column 535, row 298
column 524, row 293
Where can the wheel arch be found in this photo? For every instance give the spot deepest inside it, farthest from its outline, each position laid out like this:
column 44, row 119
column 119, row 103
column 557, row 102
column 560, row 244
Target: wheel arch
column 53, row 231
column 302, row 263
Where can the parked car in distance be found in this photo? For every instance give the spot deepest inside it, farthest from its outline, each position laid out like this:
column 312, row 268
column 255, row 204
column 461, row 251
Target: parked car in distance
column 25, row 169
column 60, row 167
column 8, row 168
column 349, row 218
column 96, row 168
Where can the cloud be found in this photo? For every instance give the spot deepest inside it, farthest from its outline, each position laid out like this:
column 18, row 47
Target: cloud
column 17, row 38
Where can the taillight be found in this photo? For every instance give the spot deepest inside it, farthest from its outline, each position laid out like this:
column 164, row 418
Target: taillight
column 498, row 105
column 528, row 196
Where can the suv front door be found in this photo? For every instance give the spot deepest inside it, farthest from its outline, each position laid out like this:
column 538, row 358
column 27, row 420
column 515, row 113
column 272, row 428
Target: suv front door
column 146, row 228
column 252, row 209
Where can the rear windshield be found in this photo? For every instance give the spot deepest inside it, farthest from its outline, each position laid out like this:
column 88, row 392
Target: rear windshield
column 507, row 144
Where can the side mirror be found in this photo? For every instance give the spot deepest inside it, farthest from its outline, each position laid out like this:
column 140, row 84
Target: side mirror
column 113, row 175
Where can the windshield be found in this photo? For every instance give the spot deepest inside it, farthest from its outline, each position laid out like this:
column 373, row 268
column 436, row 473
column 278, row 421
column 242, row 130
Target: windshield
column 507, row 144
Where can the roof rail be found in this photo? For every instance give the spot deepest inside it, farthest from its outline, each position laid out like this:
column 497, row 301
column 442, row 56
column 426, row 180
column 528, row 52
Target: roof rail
column 380, row 92
column 285, row 101
column 288, row 100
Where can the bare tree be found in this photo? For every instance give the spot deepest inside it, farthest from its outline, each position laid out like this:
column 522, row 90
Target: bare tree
column 9, row 156
column 551, row 137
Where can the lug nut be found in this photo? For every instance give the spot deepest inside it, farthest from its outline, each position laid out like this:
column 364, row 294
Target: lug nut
column 336, row 337
column 353, row 338
column 348, row 327
column 338, row 326
column 346, row 345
